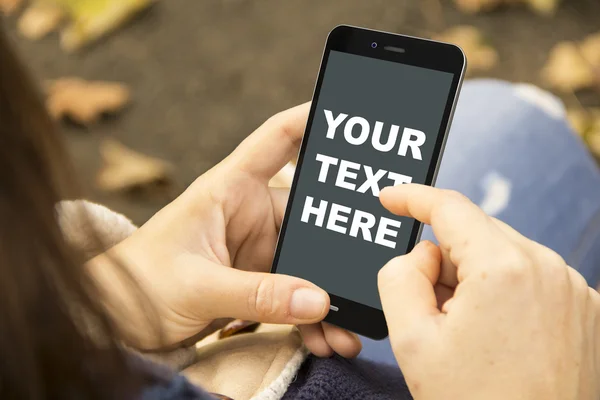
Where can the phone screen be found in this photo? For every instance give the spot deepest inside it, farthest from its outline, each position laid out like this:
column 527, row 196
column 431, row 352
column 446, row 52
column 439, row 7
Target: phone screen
column 375, row 124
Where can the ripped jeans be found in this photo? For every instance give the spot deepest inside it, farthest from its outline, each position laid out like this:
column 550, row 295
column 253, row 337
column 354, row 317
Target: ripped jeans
column 512, row 152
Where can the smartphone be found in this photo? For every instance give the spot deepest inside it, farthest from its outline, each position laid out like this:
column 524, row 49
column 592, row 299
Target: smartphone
column 380, row 116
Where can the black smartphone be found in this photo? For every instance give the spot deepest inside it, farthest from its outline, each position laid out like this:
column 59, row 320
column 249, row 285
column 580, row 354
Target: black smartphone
column 380, row 115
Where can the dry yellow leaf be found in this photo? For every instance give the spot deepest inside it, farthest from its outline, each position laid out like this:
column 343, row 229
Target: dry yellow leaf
column 475, row 6
column 39, row 19
column 84, row 101
column 586, row 123
column 595, row 126
column 579, row 120
column 92, row 19
column 480, row 56
column 126, row 169
column 7, row 7
column 567, row 69
column 591, row 134
column 593, row 140
column 546, row 7
column 590, row 49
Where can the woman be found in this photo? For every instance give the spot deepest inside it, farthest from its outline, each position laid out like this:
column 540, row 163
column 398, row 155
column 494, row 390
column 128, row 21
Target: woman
column 64, row 319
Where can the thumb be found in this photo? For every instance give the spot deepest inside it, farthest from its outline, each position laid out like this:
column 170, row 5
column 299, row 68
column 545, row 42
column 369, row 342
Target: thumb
column 262, row 297
column 406, row 289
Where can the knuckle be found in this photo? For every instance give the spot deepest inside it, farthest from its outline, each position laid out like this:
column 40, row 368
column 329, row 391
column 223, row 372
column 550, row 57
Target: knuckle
column 262, row 299
column 281, row 125
column 451, row 202
column 578, row 283
column 594, row 298
column 550, row 258
column 406, row 343
column 428, row 246
column 455, row 196
column 514, row 258
column 514, row 265
column 274, row 119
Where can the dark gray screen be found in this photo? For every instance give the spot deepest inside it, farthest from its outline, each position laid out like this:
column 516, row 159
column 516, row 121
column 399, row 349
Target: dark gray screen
column 338, row 255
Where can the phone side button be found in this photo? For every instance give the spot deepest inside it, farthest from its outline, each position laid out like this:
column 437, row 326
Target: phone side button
column 334, row 308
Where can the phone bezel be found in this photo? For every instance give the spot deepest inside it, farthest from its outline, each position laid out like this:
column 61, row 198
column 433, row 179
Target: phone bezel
column 359, row 318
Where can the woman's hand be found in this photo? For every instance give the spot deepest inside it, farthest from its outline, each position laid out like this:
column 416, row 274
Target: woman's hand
column 208, row 254
column 489, row 314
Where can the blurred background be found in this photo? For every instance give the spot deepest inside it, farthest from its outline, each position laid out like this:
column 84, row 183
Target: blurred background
column 151, row 94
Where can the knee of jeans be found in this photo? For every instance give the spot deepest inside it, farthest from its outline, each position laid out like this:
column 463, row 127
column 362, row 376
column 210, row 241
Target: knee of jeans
column 542, row 99
column 493, row 91
column 491, row 111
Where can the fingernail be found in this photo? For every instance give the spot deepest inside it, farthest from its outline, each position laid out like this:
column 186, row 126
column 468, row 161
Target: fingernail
column 307, row 303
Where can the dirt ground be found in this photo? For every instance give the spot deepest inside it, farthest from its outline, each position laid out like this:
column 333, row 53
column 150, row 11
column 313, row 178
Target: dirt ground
column 205, row 73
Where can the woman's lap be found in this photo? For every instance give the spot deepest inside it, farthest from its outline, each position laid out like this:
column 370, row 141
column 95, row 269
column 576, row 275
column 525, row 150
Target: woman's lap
column 511, row 151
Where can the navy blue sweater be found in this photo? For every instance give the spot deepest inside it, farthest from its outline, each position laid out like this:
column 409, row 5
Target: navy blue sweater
column 318, row 379
column 339, row 378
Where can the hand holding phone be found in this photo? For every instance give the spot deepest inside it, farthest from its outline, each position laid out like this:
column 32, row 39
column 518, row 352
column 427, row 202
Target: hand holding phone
column 380, row 115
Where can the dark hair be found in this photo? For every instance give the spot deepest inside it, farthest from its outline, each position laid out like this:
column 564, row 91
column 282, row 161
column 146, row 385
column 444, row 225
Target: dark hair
column 46, row 347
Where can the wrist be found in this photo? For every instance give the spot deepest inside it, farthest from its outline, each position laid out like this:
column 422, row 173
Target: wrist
column 125, row 303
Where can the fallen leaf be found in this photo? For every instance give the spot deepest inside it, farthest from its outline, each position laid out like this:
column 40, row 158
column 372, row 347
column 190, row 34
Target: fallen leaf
column 7, row 7
column 544, row 7
column 39, row 19
column 238, row 326
column 579, row 120
column 594, row 129
column 586, row 123
column 476, row 6
column 92, row 19
column 126, row 169
column 590, row 49
column 480, row 56
column 84, row 101
column 593, row 141
column 567, row 69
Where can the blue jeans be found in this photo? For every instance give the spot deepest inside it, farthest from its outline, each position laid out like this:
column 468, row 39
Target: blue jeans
column 511, row 151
